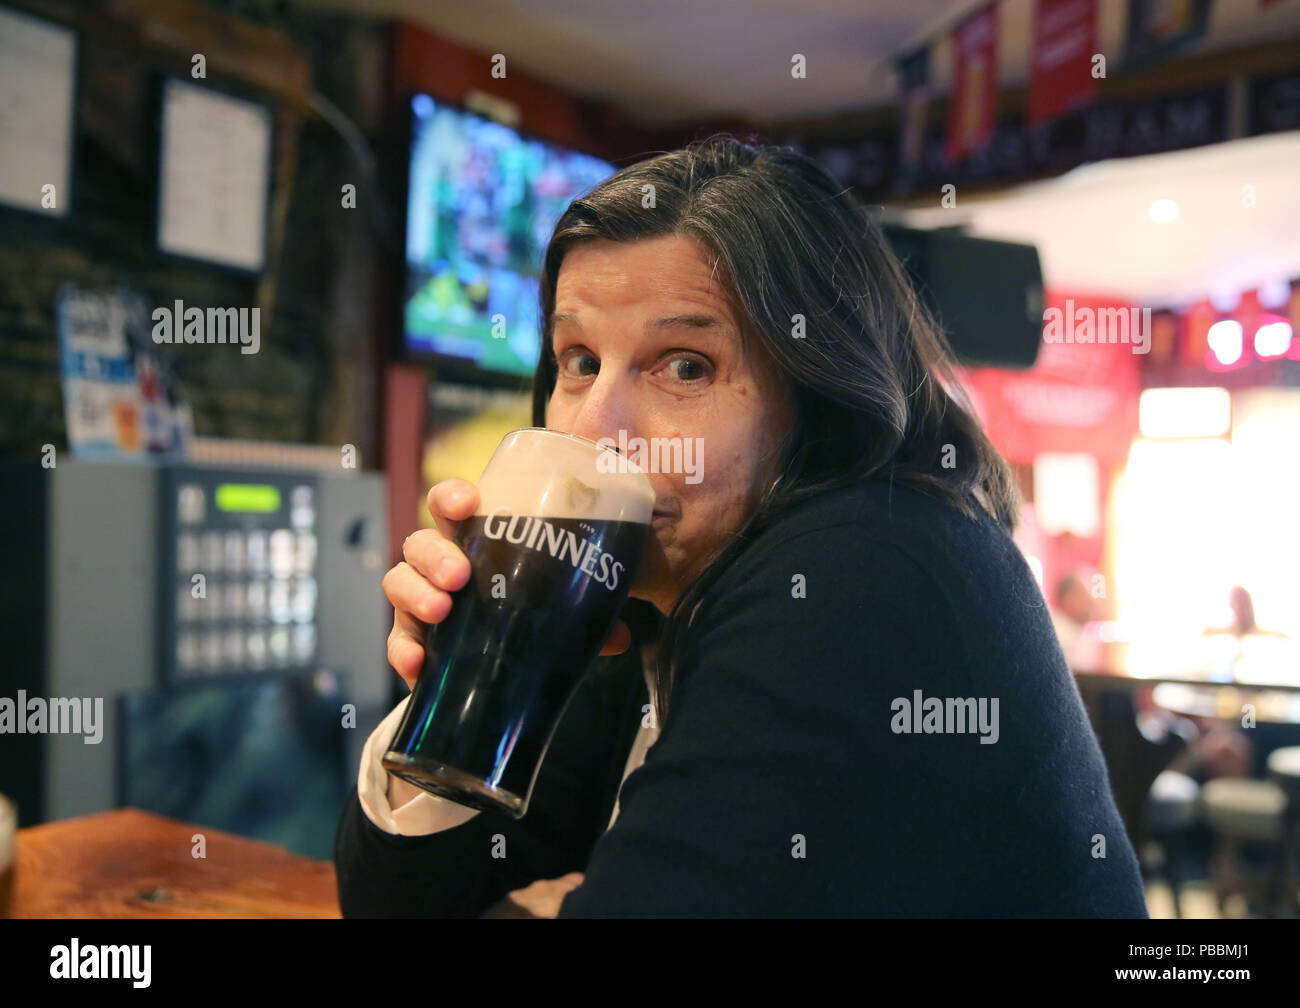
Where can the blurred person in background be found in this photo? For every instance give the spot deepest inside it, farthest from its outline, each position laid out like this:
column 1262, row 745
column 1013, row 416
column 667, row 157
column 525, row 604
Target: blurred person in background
column 1243, row 617
column 1075, row 609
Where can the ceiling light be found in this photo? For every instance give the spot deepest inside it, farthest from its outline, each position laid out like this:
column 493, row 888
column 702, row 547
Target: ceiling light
column 1273, row 338
column 1225, row 340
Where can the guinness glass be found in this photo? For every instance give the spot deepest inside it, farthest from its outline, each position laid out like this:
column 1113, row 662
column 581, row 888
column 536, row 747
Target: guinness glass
column 553, row 549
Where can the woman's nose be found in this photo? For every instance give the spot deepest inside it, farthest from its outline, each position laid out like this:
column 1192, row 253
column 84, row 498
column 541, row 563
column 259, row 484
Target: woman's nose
column 605, row 410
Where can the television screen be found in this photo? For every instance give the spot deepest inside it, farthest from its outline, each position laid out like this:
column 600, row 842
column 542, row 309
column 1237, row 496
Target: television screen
column 482, row 202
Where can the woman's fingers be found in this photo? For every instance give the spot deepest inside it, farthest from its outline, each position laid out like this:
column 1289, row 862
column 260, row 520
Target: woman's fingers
column 436, row 559
column 433, row 567
column 406, row 648
column 542, row 899
column 411, row 593
column 417, row 604
column 451, row 502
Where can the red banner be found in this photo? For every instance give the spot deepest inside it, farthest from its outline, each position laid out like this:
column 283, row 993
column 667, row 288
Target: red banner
column 974, row 83
column 1060, row 61
column 1081, row 395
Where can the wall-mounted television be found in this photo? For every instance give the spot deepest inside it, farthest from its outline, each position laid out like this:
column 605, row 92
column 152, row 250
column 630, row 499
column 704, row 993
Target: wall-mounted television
column 482, row 201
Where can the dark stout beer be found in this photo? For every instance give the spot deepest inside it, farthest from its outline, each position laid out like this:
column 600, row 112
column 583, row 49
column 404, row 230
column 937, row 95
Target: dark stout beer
column 500, row 669
column 498, row 672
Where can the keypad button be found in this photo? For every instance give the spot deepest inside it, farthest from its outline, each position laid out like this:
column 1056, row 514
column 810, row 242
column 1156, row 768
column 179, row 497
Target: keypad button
column 256, row 643
column 235, row 595
column 279, row 601
column 190, row 501
column 234, row 552
column 304, row 643
column 212, row 650
column 211, row 553
column 302, row 511
column 187, row 552
column 258, row 609
column 186, row 605
column 258, row 561
column 213, row 604
column 279, row 645
column 303, row 599
column 187, row 651
column 282, row 549
column 305, row 553
column 234, row 643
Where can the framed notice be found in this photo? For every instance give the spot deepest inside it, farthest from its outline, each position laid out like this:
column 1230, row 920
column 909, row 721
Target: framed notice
column 213, row 176
column 37, row 86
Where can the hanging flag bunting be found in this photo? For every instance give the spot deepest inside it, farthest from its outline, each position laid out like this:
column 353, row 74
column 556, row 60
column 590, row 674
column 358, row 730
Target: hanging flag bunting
column 914, row 99
column 1060, row 62
column 975, row 83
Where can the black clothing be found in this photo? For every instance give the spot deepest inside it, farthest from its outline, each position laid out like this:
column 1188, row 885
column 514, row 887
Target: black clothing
column 783, row 783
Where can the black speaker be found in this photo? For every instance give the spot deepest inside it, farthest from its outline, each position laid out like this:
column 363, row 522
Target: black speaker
column 987, row 295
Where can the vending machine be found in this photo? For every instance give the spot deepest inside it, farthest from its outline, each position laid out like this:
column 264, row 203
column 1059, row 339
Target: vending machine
column 206, row 641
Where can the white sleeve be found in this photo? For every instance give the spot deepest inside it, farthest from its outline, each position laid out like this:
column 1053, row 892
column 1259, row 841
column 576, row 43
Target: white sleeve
column 425, row 813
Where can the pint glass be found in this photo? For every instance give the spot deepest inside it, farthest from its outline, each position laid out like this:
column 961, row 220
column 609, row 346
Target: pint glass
column 553, row 548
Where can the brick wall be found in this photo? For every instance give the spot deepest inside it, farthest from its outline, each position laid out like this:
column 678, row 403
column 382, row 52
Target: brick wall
column 314, row 377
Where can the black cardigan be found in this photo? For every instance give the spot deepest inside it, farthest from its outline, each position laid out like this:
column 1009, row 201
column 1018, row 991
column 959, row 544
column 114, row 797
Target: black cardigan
column 783, row 782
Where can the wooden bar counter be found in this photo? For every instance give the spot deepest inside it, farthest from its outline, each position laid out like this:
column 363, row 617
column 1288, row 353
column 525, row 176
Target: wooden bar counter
column 128, row 863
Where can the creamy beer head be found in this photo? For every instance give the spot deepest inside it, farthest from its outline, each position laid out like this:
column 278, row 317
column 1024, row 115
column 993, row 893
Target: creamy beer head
column 551, row 474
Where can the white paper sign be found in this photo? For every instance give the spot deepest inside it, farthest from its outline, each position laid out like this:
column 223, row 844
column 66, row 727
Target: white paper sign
column 216, row 157
column 37, row 61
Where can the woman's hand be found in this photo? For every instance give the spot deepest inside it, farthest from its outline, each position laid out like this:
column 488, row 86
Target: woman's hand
column 420, row 587
column 542, row 899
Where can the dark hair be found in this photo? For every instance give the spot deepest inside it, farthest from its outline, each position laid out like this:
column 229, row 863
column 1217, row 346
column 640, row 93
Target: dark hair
column 872, row 391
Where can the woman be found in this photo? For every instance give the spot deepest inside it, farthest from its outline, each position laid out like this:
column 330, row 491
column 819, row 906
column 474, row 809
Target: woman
column 863, row 707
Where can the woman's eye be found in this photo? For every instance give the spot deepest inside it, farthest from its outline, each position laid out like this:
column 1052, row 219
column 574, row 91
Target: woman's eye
column 578, row 364
column 688, row 369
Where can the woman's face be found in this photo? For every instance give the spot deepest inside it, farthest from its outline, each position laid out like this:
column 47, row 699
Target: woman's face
column 649, row 346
